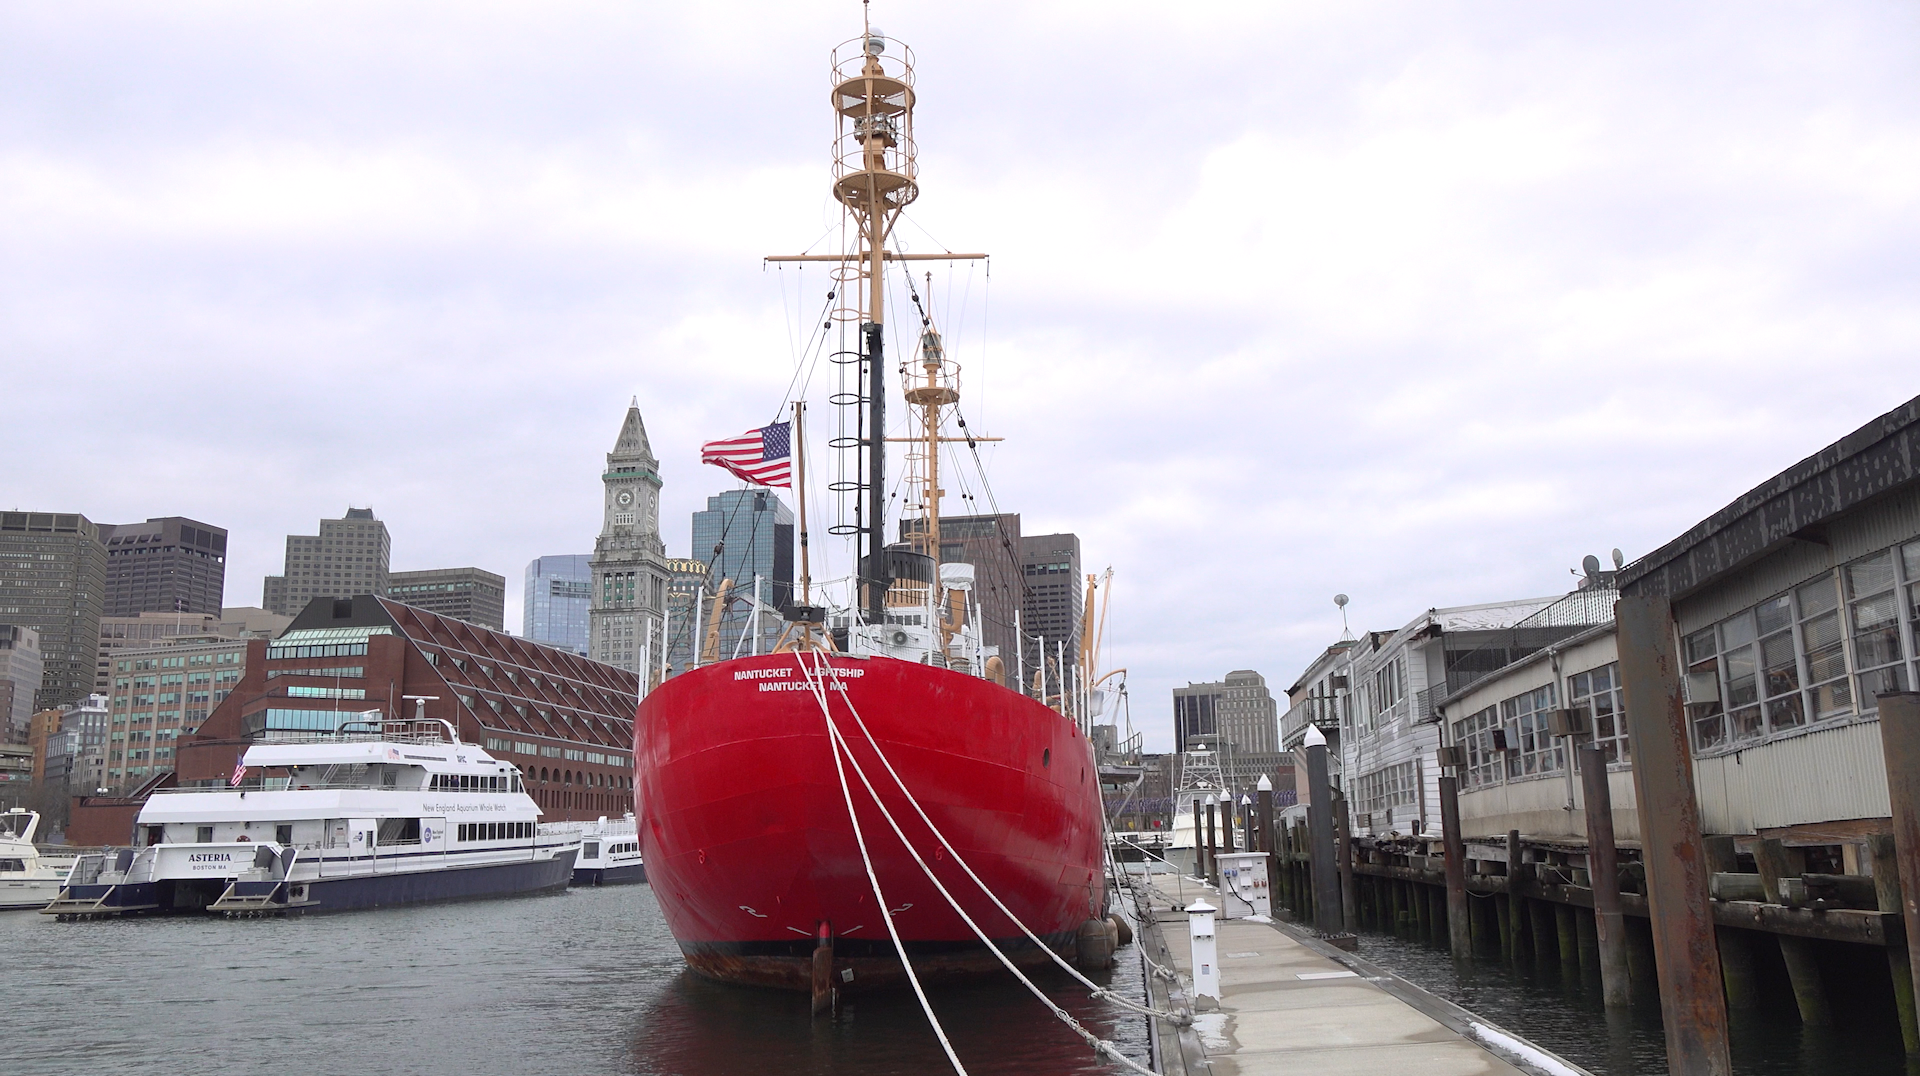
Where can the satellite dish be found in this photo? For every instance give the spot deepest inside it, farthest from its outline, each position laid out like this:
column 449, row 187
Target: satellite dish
column 1340, row 600
column 1619, row 561
column 1591, row 564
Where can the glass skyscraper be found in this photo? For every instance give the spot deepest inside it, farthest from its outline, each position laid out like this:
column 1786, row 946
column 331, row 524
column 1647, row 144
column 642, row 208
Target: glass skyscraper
column 558, row 597
column 741, row 534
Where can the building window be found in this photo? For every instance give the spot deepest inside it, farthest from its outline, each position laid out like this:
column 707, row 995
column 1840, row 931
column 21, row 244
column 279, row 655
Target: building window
column 1873, row 612
column 1527, row 715
column 1829, row 693
column 1703, row 690
column 1598, row 691
column 1475, row 733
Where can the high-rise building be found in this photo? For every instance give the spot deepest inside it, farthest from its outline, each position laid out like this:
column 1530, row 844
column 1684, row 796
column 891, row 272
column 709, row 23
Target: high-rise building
column 169, row 565
column 557, row 601
column 629, row 564
column 1050, row 614
column 21, row 668
column 77, row 757
column 53, row 578
column 349, row 556
column 686, row 578
column 992, row 545
column 747, row 534
column 474, row 595
column 163, row 691
column 155, row 629
column 1236, row 716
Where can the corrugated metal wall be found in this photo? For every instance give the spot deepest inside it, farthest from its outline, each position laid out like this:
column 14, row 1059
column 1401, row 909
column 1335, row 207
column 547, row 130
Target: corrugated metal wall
column 1823, row 776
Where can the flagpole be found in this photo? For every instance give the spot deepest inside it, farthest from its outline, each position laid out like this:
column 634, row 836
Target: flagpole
column 800, row 480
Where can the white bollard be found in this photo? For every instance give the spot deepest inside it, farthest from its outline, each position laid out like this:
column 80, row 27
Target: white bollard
column 1206, row 951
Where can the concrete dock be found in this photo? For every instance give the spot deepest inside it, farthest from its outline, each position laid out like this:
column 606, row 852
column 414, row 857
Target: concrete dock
column 1294, row 1004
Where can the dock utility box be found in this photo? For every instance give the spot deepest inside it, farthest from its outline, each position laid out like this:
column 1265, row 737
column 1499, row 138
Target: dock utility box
column 1244, row 888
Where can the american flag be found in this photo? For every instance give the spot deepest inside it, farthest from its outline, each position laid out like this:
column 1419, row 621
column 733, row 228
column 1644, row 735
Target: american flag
column 763, row 457
column 239, row 774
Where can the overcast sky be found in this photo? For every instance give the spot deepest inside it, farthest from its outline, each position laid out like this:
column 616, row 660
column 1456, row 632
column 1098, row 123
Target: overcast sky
column 1419, row 302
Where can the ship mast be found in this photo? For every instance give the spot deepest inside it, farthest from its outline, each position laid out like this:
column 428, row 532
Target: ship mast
column 875, row 176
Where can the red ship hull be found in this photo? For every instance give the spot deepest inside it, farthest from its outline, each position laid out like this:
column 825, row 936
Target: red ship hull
column 750, row 851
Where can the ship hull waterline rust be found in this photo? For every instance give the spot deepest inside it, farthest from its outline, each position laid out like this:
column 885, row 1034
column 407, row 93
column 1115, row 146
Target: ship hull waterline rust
column 751, row 853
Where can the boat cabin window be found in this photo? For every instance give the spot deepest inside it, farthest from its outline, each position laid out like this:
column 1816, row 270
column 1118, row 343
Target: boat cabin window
column 203, row 835
column 13, row 864
column 494, row 831
column 591, row 850
column 283, row 833
column 156, row 834
column 400, row 831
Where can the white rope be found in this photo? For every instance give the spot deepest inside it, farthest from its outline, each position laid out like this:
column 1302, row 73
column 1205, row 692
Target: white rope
column 1099, row 1044
column 833, row 735
column 1098, row 990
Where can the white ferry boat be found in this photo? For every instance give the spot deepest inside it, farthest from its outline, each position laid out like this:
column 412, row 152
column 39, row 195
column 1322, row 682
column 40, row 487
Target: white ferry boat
column 609, row 853
column 29, row 878
column 401, row 815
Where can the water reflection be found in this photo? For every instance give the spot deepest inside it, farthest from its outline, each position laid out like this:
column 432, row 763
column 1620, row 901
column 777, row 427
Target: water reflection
column 585, row 981
column 694, row 1025
column 1562, row 1009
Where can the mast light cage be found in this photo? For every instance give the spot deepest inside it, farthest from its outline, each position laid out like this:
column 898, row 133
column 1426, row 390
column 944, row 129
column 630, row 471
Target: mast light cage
column 874, row 158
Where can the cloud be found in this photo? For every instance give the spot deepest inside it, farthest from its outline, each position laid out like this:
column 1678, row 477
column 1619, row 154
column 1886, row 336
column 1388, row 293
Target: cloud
column 1421, row 305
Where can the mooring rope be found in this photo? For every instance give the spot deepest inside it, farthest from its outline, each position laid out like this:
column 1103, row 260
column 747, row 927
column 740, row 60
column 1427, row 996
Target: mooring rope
column 1098, row 990
column 1100, row 1045
column 846, row 793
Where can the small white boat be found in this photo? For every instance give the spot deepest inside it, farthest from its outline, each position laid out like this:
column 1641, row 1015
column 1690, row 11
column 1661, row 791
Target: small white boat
column 29, row 878
column 401, row 813
column 609, row 853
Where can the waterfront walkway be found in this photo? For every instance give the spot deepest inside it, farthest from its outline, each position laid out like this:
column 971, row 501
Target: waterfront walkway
column 1292, row 1004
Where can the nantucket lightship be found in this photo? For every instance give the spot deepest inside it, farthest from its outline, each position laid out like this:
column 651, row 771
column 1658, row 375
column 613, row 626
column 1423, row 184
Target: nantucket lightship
column 797, row 807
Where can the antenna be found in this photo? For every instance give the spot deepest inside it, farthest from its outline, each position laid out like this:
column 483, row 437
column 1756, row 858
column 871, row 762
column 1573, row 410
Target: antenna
column 1591, row 566
column 1341, row 601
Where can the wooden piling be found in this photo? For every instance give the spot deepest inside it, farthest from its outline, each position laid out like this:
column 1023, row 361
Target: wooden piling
column 1603, row 874
column 1546, row 945
column 1213, row 864
column 1641, row 967
column 1567, row 935
column 1503, row 918
column 1343, row 850
column 1459, row 930
column 1803, row 963
column 1886, row 892
column 1587, row 935
column 1517, row 916
column 1326, row 879
column 1692, row 1005
column 1900, row 742
column 1740, row 975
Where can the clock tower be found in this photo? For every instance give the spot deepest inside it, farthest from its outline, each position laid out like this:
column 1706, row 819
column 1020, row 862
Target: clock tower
column 629, row 565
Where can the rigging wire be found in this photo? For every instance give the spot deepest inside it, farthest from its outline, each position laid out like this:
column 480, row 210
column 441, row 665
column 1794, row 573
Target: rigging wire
column 818, row 683
column 842, row 690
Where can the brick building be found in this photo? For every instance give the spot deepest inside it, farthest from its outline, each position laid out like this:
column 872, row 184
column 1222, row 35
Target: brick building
column 566, row 721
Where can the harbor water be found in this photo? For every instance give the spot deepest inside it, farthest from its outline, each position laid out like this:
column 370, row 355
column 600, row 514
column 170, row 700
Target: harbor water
column 582, row 982
column 1561, row 1010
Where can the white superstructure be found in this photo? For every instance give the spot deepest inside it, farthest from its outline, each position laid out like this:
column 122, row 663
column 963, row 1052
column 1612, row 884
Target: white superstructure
column 28, row 877
column 404, row 814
